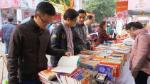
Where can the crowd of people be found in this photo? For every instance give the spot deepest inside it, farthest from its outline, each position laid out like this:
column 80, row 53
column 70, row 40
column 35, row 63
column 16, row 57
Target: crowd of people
column 28, row 43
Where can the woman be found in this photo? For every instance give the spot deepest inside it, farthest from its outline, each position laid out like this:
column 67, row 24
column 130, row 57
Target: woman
column 103, row 36
column 140, row 55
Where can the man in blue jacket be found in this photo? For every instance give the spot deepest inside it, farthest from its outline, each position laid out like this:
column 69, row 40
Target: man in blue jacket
column 6, row 33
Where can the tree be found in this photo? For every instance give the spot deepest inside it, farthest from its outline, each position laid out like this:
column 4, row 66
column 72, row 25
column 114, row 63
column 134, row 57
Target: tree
column 101, row 8
column 66, row 2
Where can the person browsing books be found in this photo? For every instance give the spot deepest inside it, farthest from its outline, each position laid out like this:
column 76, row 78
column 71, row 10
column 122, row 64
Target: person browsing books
column 29, row 44
column 63, row 37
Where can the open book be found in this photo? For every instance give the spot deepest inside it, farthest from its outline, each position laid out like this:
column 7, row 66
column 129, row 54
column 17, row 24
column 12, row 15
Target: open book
column 95, row 33
column 67, row 64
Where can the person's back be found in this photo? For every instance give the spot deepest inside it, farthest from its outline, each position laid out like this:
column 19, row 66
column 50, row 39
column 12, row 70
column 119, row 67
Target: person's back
column 6, row 32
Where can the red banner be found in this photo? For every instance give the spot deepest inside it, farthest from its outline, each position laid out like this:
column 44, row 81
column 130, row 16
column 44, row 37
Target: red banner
column 121, row 6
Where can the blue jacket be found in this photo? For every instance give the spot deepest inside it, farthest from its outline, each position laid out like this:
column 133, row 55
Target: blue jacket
column 6, row 32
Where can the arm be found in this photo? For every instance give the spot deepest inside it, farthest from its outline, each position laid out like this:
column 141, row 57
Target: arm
column 54, row 45
column 55, row 51
column 2, row 31
column 13, row 54
column 142, row 52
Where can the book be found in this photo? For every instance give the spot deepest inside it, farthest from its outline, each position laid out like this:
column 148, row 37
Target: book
column 105, row 69
column 75, row 72
column 65, row 79
column 67, row 64
column 47, row 74
column 115, row 64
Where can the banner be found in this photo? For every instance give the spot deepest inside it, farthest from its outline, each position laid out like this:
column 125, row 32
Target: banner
column 121, row 6
column 139, row 5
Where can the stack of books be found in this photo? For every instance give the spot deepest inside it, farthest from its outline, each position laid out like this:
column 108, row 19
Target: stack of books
column 111, row 67
column 47, row 76
column 76, row 77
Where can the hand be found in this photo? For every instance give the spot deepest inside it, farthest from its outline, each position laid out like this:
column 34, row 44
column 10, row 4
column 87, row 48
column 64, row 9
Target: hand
column 84, row 51
column 68, row 54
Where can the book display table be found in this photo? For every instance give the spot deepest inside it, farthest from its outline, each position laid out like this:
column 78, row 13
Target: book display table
column 104, row 65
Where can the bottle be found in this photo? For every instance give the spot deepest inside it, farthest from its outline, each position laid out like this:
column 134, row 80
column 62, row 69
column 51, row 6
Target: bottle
column 5, row 82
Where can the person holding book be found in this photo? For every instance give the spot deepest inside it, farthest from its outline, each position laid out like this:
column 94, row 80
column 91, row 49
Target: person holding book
column 63, row 37
column 103, row 36
column 29, row 44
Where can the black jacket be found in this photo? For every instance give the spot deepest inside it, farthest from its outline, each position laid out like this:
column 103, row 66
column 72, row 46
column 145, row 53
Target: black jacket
column 80, row 29
column 59, row 41
column 26, row 56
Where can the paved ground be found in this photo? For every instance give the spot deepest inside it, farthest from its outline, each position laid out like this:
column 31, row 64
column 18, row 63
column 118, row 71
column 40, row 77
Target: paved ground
column 5, row 70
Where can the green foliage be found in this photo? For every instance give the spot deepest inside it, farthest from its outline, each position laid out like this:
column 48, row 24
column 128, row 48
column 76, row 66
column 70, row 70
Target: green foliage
column 101, row 8
column 67, row 2
column 55, row 1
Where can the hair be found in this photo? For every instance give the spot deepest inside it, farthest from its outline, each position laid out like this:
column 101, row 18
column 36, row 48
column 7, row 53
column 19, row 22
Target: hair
column 102, row 24
column 70, row 13
column 10, row 19
column 81, row 11
column 46, row 8
column 134, row 25
column 89, row 17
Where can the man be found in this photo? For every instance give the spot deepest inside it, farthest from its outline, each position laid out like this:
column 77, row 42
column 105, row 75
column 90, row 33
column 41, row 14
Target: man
column 80, row 28
column 28, row 46
column 6, row 33
column 88, row 22
column 63, row 37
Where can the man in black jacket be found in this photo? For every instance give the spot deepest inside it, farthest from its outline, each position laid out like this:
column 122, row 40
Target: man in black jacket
column 80, row 29
column 63, row 37
column 29, row 44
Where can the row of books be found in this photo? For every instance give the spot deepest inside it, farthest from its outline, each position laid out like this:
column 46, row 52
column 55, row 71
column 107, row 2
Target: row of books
column 110, row 64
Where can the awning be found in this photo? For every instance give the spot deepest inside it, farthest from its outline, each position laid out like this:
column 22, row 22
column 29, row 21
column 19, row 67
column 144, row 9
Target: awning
column 9, row 3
